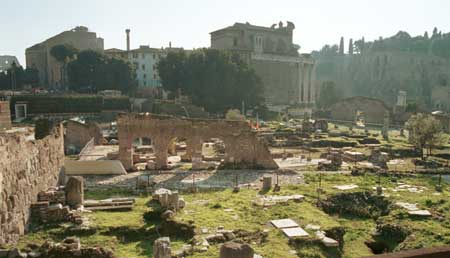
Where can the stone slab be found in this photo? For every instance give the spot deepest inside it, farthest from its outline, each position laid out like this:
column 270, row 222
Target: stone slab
column 295, row 232
column 94, row 167
column 345, row 187
column 284, row 223
column 408, row 206
column 421, row 213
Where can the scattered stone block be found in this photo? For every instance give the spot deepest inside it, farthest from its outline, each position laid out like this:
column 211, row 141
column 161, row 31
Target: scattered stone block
column 168, row 214
column 216, row 238
column 161, row 248
column 75, row 191
column 312, row 227
column 267, row 183
column 236, row 250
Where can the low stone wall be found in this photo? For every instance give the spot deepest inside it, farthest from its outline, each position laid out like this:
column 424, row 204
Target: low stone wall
column 27, row 167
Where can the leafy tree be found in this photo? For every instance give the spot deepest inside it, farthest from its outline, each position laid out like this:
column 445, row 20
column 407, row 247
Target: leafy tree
column 23, row 77
column 328, row 50
column 63, row 54
column 328, row 95
column 359, row 46
column 435, row 33
column 234, row 114
column 425, row 132
column 215, row 79
column 93, row 72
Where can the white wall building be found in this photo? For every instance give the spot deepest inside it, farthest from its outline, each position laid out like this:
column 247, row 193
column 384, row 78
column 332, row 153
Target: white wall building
column 145, row 61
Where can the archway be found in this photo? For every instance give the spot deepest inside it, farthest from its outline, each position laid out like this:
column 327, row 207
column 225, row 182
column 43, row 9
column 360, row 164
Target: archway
column 143, row 153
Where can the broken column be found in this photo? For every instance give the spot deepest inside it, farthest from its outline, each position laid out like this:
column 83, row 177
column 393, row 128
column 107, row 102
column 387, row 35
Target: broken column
column 161, row 248
column 173, row 200
column 267, row 183
column 385, row 129
column 236, row 250
column 75, row 191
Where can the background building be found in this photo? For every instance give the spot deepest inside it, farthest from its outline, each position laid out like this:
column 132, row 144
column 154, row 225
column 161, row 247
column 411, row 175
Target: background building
column 288, row 77
column 38, row 56
column 7, row 61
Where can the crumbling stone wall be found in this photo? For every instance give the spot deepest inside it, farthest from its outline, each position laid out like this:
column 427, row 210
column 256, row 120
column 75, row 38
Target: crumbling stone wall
column 5, row 115
column 374, row 109
column 78, row 134
column 241, row 143
column 27, row 167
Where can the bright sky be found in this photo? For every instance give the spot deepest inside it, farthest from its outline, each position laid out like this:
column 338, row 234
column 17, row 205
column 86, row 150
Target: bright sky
column 187, row 23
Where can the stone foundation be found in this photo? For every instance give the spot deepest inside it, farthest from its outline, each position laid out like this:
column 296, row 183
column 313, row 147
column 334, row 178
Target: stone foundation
column 27, row 167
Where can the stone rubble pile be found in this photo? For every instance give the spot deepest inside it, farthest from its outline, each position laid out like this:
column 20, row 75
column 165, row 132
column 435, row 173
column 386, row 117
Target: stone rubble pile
column 169, row 199
column 50, row 207
column 68, row 248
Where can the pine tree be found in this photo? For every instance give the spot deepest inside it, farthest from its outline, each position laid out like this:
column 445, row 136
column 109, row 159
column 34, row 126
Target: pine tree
column 435, row 32
column 341, row 46
column 350, row 47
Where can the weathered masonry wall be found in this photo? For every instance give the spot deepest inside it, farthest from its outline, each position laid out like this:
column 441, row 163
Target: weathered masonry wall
column 27, row 167
column 79, row 134
column 241, row 143
column 5, row 116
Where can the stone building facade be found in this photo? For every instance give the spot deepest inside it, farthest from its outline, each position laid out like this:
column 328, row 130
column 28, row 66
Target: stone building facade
column 50, row 70
column 7, row 61
column 27, row 167
column 288, row 77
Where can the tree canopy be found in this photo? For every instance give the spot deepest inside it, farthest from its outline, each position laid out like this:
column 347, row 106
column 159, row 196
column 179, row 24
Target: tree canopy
column 23, row 77
column 214, row 79
column 63, row 52
column 425, row 132
column 438, row 44
column 328, row 95
column 92, row 71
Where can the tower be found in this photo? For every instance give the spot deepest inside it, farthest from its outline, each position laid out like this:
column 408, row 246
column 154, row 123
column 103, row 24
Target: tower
column 128, row 39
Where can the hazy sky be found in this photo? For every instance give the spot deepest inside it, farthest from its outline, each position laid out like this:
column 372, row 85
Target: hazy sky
column 188, row 23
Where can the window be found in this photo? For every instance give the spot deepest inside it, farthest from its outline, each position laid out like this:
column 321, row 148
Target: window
column 145, row 83
column 143, row 55
column 145, row 76
column 154, row 67
column 135, row 55
column 143, row 67
column 235, row 42
column 154, row 76
column 154, row 56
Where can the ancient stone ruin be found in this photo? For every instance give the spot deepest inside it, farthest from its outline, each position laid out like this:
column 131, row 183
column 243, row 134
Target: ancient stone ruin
column 242, row 146
column 27, row 167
